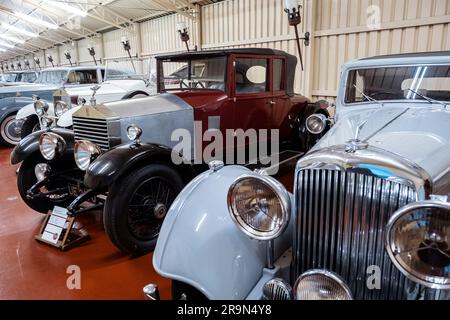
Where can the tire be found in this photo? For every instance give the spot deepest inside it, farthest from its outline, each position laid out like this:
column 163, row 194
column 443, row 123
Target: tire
column 133, row 231
column 9, row 132
column 26, row 179
column 30, row 125
column 182, row 291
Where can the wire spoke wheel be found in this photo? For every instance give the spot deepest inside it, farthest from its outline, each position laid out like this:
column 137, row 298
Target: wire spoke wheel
column 148, row 207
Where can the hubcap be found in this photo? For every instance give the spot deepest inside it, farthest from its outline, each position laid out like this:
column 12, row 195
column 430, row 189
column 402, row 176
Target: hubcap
column 160, row 211
column 10, row 130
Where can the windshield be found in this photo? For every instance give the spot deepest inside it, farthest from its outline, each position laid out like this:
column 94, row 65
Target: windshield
column 129, row 68
column 200, row 74
column 393, row 83
column 52, row 76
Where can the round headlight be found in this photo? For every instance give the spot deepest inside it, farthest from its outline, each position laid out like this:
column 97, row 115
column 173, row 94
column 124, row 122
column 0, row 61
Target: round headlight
column 51, row 145
column 41, row 171
column 277, row 290
column 40, row 107
column 84, row 152
column 316, row 123
column 134, row 132
column 260, row 206
column 321, row 285
column 418, row 242
column 60, row 108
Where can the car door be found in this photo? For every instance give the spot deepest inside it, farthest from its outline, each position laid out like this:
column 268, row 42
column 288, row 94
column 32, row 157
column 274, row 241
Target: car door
column 252, row 103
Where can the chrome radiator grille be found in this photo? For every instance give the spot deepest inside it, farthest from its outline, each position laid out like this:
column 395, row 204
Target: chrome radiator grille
column 94, row 130
column 339, row 227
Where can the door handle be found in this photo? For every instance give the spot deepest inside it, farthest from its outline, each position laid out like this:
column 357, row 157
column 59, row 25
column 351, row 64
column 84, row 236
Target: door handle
column 272, row 103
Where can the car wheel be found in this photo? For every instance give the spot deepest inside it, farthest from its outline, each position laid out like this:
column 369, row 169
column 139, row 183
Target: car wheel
column 26, row 179
column 30, row 125
column 9, row 132
column 182, row 291
column 137, row 205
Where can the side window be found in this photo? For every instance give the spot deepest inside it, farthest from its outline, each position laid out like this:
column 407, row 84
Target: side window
column 251, row 75
column 278, row 74
column 82, row 77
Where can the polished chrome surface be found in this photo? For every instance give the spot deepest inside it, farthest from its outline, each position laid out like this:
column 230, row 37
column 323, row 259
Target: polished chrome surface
column 94, row 130
column 321, row 284
column 277, row 289
column 151, row 292
column 216, row 165
column 417, row 239
column 343, row 202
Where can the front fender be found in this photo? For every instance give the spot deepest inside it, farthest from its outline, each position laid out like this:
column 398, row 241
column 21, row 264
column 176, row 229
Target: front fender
column 111, row 165
column 201, row 246
column 65, row 120
column 30, row 144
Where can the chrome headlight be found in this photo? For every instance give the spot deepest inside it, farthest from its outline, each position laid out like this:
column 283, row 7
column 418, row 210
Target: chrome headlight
column 134, row 132
column 260, row 206
column 316, row 123
column 85, row 152
column 51, row 145
column 42, row 171
column 40, row 107
column 321, row 285
column 418, row 242
column 277, row 290
column 60, row 108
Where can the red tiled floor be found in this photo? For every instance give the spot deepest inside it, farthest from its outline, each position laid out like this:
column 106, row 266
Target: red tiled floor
column 32, row 270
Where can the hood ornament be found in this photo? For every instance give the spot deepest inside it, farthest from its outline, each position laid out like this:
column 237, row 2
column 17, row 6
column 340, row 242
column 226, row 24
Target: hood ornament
column 356, row 143
column 94, row 89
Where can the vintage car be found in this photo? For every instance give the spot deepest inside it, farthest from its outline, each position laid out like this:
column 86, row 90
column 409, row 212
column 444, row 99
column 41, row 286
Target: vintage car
column 368, row 217
column 17, row 78
column 13, row 98
column 122, row 79
column 125, row 148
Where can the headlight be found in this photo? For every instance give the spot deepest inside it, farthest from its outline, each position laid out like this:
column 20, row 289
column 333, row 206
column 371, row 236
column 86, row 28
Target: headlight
column 260, row 206
column 84, row 152
column 418, row 242
column 316, row 123
column 134, row 132
column 40, row 107
column 51, row 145
column 321, row 285
column 46, row 122
column 60, row 108
column 277, row 290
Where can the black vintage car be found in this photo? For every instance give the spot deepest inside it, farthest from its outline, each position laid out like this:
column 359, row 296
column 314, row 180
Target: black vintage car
column 125, row 149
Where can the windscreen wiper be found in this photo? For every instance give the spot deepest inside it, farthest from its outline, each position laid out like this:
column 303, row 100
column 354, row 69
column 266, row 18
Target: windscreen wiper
column 430, row 100
column 367, row 97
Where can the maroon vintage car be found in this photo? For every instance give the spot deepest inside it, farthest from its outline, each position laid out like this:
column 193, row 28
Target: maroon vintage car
column 128, row 150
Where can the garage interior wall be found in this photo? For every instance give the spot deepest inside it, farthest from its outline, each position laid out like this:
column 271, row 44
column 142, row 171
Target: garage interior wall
column 341, row 30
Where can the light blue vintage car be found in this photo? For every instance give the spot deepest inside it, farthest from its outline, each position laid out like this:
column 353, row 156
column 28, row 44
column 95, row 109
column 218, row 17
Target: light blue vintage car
column 369, row 217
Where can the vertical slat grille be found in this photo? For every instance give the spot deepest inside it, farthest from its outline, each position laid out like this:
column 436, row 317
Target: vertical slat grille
column 340, row 224
column 94, row 130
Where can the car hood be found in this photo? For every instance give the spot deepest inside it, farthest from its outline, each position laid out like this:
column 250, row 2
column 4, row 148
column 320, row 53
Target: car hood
column 419, row 134
column 134, row 108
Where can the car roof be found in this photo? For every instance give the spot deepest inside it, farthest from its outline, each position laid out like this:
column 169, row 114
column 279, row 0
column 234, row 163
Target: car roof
column 74, row 68
column 223, row 52
column 438, row 57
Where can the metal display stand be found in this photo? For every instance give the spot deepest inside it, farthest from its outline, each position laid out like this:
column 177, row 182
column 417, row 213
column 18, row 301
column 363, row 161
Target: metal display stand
column 69, row 237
